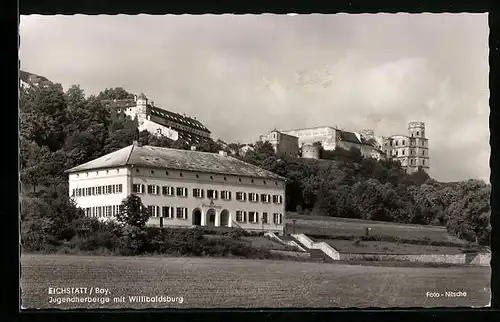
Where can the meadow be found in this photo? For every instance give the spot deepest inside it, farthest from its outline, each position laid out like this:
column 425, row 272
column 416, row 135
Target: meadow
column 243, row 283
column 333, row 226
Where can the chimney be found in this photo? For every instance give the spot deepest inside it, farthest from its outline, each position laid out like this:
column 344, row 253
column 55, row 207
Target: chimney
column 135, row 98
column 223, row 153
column 193, row 148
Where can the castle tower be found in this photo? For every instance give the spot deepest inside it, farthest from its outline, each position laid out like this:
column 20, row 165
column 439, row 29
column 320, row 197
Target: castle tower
column 419, row 147
column 141, row 108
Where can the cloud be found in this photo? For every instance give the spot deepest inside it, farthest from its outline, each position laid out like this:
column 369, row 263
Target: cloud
column 244, row 75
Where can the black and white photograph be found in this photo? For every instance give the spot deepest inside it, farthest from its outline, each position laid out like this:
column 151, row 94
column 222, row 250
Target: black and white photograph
column 260, row 161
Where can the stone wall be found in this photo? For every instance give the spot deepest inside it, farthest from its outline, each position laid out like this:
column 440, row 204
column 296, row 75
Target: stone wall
column 473, row 259
column 290, row 253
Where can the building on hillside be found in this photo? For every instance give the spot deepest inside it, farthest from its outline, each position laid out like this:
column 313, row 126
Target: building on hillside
column 244, row 150
column 283, row 144
column 186, row 188
column 330, row 138
column 412, row 150
column 161, row 122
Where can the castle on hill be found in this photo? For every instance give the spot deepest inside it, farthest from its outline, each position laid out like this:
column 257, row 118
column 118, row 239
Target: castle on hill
column 161, row 122
column 411, row 149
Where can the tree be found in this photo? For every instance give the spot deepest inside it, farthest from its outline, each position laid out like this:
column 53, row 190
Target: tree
column 132, row 212
column 117, row 93
column 43, row 118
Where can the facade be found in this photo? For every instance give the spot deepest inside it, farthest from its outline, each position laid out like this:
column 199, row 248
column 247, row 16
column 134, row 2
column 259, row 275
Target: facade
column 411, row 150
column 310, row 151
column 330, row 138
column 186, row 188
column 283, row 143
column 161, row 122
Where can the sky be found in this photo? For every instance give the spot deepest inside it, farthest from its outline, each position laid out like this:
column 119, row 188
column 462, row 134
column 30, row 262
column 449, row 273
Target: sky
column 242, row 76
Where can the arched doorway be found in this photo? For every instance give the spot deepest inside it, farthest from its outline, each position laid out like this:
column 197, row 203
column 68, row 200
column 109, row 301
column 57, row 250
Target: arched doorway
column 197, row 217
column 211, row 217
column 224, row 218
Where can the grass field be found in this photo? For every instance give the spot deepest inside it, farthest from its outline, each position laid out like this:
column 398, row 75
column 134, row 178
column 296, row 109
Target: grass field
column 333, row 226
column 239, row 283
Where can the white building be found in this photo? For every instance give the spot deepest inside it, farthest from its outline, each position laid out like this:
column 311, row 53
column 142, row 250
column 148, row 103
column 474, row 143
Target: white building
column 186, row 188
column 160, row 121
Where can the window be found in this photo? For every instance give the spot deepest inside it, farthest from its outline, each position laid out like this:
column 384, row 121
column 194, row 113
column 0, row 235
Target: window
column 241, row 196
column 89, row 191
column 264, row 217
column 182, row 192
column 412, row 151
column 423, row 152
column 225, row 195
column 423, row 162
column 417, row 132
column 403, row 142
column 253, row 197
column 93, row 191
column 108, row 211
column 167, row 191
column 198, row 193
column 265, row 198
column 212, row 194
column 277, row 199
column 412, row 161
column 113, row 188
column 73, row 194
column 396, row 143
column 241, row 216
column 153, row 211
column 253, row 217
column 98, row 191
column 119, row 188
column 167, row 212
column 99, row 211
column 138, row 188
column 403, row 152
column 396, row 152
column 181, row 213
column 277, row 218
column 153, row 190
column 180, row 174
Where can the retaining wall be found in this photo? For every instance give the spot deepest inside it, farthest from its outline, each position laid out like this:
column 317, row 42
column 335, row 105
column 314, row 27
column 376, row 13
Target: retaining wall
column 473, row 259
column 291, row 254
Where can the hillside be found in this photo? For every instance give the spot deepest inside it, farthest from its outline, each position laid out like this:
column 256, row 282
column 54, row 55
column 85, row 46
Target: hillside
column 29, row 80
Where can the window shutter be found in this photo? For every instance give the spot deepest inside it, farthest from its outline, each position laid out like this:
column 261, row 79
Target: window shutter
column 202, row 193
column 216, row 192
column 171, row 213
column 281, row 219
column 229, row 194
column 185, row 192
column 185, row 213
column 157, row 211
column 157, row 190
column 142, row 188
column 244, row 216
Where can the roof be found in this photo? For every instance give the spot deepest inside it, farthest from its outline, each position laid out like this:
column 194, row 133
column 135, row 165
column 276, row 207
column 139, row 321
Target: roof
column 165, row 158
column 349, row 137
column 177, row 118
column 142, row 97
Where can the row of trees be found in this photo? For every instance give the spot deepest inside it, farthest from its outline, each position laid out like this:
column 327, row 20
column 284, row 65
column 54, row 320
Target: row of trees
column 60, row 130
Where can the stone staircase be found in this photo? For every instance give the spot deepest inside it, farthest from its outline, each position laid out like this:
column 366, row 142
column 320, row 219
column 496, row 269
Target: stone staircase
column 317, row 255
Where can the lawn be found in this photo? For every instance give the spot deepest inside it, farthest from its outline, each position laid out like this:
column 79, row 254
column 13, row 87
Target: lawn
column 381, row 247
column 332, row 226
column 241, row 283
